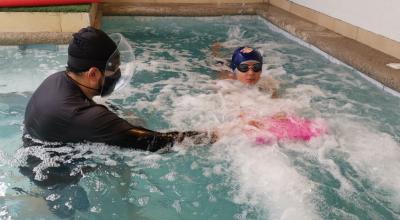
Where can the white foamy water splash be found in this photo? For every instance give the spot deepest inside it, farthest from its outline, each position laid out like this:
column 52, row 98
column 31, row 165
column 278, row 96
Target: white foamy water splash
column 267, row 176
column 348, row 173
column 260, row 172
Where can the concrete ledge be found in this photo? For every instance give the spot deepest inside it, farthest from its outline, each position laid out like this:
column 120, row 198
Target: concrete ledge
column 180, row 9
column 191, row 2
column 96, row 13
column 43, row 27
column 363, row 58
column 42, row 21
column 7, row 38
column 367, row 52
column 371, row 39
column 93, row 14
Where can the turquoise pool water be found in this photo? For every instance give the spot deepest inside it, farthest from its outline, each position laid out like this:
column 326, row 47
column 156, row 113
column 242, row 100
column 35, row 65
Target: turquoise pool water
column 349, row 173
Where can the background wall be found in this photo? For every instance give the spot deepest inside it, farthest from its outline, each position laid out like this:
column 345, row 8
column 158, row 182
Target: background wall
column 378, row 16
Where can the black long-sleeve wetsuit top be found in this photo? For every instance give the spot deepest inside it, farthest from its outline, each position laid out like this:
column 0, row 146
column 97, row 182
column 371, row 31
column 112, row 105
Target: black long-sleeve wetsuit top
column 59, row 111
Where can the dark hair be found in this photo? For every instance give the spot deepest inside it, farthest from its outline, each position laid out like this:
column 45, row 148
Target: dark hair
column 75, row 71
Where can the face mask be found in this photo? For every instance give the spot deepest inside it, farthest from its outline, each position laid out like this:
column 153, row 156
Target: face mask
column 119, row 67
column 109, row 83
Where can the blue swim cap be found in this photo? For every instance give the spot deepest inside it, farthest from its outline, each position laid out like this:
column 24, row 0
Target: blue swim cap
column 241, row 55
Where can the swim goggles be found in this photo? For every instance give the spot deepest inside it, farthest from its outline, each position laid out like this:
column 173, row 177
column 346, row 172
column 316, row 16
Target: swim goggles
column 244, row 67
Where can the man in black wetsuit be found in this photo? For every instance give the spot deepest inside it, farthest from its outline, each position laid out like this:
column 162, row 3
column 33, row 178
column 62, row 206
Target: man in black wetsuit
column 62, row 110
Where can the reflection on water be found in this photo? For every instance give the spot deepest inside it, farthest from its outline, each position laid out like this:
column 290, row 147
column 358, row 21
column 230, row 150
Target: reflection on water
column 349, row 173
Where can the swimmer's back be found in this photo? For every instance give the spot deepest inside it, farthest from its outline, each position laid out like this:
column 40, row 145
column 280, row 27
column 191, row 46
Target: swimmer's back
column 59, row 111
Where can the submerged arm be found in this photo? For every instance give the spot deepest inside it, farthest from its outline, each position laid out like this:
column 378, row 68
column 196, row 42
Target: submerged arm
column 144, row 139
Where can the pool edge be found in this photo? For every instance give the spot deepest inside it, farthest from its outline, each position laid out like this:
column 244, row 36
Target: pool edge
column 371, row 62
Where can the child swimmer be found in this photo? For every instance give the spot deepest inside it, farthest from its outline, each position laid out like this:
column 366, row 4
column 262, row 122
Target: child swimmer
column 246, row 65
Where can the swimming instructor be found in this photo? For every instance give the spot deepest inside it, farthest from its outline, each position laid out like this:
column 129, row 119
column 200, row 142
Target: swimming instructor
column 62, row 107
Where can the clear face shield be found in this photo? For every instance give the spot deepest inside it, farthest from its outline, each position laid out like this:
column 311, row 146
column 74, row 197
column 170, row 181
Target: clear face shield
column 119, row 68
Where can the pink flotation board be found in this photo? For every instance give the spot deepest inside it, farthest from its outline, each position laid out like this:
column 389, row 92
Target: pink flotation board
column 270, row 129
column 26, row 3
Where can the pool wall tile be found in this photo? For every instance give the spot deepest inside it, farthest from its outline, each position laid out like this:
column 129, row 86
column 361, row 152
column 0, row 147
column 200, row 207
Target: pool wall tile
column 346, row 29
column 285, row 5
column 304, row 12
column 29, row 22
column 72, row 22
column 42, row 21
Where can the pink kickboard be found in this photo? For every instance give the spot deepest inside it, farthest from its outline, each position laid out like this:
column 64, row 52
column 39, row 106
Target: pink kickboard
column 288, row 128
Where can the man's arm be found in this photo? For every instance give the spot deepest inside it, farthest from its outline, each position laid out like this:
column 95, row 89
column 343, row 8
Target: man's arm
column 98, row 124
column 144, row 139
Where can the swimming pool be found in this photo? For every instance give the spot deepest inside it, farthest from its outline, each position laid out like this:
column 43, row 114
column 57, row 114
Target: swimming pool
column 350, row 173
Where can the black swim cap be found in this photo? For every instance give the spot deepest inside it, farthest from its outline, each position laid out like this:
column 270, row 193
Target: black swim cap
column 89, row 47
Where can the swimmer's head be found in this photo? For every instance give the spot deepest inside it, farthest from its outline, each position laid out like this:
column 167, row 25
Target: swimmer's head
column 102, row 61
column 90, row 47
column 242, row 54
column 247, row 65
